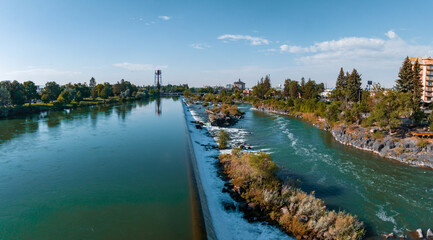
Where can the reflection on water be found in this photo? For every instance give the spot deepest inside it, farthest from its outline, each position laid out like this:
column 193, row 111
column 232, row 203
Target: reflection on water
column 15, row 126
column 158, row 107
column 100, row 172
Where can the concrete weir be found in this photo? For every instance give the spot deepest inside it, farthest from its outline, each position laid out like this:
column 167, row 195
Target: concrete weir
column 219, row 222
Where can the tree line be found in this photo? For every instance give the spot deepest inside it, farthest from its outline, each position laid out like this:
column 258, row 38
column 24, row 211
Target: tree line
column 348, row 102
column 14, row 93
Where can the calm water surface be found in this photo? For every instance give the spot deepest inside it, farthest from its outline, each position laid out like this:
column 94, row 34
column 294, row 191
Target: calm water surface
column 386, row 195
column 96, row 173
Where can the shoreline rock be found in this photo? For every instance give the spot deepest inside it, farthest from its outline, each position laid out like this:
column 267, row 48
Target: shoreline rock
column 404, row 151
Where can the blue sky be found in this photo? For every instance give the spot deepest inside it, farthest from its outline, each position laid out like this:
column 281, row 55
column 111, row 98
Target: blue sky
column 209, row 42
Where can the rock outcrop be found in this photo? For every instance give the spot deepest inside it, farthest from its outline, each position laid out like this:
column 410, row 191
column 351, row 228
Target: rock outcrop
column 405, row 150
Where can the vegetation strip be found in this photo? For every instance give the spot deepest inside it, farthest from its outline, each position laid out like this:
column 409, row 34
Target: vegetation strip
column 253, row 180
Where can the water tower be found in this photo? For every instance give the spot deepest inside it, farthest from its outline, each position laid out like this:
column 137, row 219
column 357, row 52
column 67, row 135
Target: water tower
column 158, row 79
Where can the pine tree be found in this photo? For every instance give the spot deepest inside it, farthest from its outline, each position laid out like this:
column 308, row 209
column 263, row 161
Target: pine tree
column 267, row 83
column 405, row 77
column 416, row 82
column 302, row 87
column 354, row 86
column 341, row 80
column 286, row 90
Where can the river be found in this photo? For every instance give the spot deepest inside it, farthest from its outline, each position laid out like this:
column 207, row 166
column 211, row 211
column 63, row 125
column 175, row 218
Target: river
column 121, row 172
column 116, row 172
column 386, row 195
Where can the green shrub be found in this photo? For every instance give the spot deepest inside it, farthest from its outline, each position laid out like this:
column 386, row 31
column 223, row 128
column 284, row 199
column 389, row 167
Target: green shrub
column 378, row 135
column 223, row 138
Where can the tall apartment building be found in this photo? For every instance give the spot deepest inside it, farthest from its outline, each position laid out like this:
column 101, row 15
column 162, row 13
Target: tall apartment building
column 426, row 64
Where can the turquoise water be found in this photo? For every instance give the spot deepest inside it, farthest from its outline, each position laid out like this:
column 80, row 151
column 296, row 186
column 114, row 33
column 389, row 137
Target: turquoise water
column 121, row 172
column 386, row 195
column 96, row 173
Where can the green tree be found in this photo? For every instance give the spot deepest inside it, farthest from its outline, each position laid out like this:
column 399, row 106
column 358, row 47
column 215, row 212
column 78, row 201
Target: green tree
column 30, row 91
column 310, row 90
column 267, row 83
column 52, row 90
column 79, row 97
column 92, row 83
column 66, row 96
column 223, row 138
column 286, row 90
column 341, row 80
column 106, row 91
column 294, row 89
column 16, row 91
column 5, row 101
column 354, row 86
column 262, row 87
column 405, row 77
column 416, row 81
column 45, row 98
column 390, row 108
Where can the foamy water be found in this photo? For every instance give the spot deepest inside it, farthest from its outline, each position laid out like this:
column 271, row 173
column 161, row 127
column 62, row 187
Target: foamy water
column 226, row 224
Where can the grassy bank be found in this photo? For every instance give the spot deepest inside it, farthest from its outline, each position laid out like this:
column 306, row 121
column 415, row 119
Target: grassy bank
column 300, row 214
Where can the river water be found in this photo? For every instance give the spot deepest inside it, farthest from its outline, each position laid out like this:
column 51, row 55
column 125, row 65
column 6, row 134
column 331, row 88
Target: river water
column 387, row 196
column 117, row 172
column 121, row 172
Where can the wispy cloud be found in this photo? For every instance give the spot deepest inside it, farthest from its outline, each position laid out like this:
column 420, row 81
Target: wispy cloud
column 393, row 48
column 138, row 67
column 252, row 40
column 165, row 18
column 200, row 46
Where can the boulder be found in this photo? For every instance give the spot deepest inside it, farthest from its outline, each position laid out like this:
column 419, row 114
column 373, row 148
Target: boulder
column 302, row 218
column 429, row 234
column 242, row 206
column 388, row 235
column 229, row 206
column 417, row 234
column 419, row 231
column 377, row 146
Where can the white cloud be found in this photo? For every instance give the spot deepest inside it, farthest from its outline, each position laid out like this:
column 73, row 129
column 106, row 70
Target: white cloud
column 293, row 49
column 138, row 67
column 391, row 34
column 360, row 49
column 165, row 18
column 252, row 40
column 199, row 46
column 378, row 59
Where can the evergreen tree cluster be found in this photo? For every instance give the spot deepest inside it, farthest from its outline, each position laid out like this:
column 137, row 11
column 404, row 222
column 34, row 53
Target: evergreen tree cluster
column 262, row 88
column 348, row 86
column 409, row 80
column 305, row 90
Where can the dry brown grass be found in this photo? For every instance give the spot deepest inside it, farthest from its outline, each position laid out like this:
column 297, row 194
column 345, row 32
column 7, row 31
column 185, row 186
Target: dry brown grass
column 255, row 174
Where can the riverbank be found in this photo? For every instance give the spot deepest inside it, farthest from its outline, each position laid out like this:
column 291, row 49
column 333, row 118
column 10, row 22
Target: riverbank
column 28, row 109
column 225, row 223
column 252, row 180
column 409, row 150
